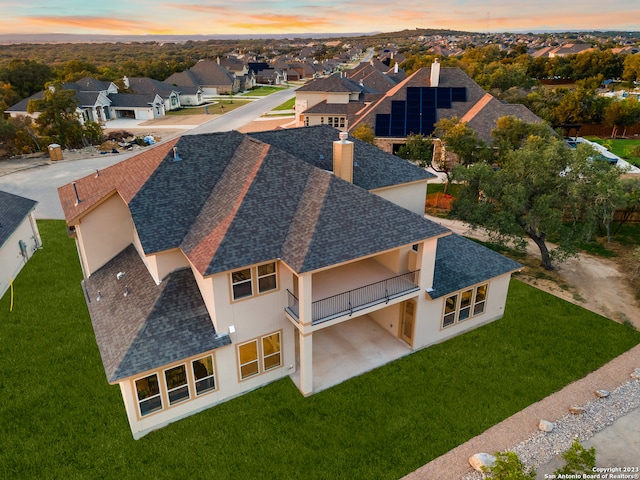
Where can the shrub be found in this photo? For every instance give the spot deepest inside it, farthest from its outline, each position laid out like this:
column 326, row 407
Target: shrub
column 509, row 467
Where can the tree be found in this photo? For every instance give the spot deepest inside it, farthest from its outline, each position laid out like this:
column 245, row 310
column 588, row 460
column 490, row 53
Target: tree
column 631, row 204
column 595, row 193
column 525, row 197
column 511, row 133
column 365, row 133
column 460, row 139
column 621, row 113
column 57, row 118
column 418, row 148
column 26, row 76
column 631, row 67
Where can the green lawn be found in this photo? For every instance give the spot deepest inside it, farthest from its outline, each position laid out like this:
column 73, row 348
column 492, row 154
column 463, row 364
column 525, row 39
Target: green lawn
column 262, row 91
column 288, row 105
column 61, row 420
column 623, row 148
column 220, row 106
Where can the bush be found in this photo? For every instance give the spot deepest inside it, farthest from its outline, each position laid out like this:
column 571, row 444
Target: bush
column 509, row 467
column 579, row 460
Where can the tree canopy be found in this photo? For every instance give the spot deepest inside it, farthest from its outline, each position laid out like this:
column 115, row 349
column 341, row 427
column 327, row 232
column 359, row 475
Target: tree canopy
column 527, row 196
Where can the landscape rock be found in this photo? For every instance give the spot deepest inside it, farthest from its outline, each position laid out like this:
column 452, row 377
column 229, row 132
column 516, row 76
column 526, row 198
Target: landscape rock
column 636, row 374
column 577, row 410
column 480, row 460
column 545, row 426
column 602, row 393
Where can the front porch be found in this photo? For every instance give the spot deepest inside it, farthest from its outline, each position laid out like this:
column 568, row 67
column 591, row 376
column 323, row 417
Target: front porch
column 347, row 350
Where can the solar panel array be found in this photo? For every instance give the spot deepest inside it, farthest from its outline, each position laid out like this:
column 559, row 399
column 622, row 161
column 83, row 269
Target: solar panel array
column 419, row 112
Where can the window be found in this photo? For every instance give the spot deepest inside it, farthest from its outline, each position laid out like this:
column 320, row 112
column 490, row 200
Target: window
column 248, row 354
column 341, row 122
column 321, row 120
column 481, row 299
column 177, row 385
column 204, row 374
column 450, row 305
column 267, row 277
column 463, row 305
column 241, row 283
column 148, row 392
column 259, row 355
column 271, row 351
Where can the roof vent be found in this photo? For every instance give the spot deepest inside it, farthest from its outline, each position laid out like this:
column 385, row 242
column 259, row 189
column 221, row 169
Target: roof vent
column 176, row 157
column 75, row 190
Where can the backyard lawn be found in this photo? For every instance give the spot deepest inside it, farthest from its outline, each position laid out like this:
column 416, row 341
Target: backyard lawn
column 624, row 148
column 60, row 419
column 262, row 91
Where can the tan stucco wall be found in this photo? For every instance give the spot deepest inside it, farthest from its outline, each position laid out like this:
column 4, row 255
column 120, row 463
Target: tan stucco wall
column 11, row 259
column 252, row 318
column 103, row 233
column 411, row 196
column 429, row 329
column 388, row 318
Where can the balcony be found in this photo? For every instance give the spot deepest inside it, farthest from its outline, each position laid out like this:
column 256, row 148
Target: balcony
column 357, row 299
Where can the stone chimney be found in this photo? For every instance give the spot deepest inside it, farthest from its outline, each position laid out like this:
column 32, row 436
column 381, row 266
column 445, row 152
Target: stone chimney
column 435, row 73
column 343, row 158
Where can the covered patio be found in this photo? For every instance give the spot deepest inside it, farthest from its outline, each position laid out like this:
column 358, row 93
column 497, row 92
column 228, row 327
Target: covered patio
column 349, row 349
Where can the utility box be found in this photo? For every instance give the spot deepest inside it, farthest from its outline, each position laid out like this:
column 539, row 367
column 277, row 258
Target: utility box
column 55, row 152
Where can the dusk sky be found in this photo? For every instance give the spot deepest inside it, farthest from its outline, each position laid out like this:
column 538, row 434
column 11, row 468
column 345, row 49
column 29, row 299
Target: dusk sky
column 117, row 17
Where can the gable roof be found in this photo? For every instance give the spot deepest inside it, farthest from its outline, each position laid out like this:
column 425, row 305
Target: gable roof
column 13, row 210
column 205, row 72
column 233, row 201
column 373, row 167
column 145, row 85
column 132, row 100
column 335, row 83
column 479, row 108
column 461, row 263
column 152, row 325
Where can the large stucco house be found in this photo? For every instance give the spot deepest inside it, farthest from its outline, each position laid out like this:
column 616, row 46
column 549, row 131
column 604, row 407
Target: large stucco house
column 19, row 236
column 217, row 263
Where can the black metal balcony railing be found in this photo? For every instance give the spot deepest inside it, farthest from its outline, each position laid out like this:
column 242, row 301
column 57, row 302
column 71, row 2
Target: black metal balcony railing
column 356, row 299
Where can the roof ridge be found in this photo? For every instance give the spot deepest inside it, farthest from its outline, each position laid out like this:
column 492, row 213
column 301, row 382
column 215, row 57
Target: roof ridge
column 477, row 108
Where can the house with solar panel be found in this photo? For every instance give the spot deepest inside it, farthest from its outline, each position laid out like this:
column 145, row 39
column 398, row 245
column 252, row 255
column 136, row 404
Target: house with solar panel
column 217, row 263
column 396, row 106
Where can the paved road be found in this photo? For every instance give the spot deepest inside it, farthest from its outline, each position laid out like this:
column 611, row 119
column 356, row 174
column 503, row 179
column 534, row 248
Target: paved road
column 239, row 117
column 41, row 182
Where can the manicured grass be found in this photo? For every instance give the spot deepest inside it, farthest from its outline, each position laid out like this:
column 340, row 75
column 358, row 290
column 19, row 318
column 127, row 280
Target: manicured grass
column 452, row 189
column 221, row 106
column 262, row 91
column 60, row 419
column 620, row 147
column 288, row 105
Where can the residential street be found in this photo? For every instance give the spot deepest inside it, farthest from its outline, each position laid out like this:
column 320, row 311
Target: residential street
column 39, row 178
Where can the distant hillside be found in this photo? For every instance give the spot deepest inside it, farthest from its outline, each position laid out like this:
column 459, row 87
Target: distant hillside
column 8, row 38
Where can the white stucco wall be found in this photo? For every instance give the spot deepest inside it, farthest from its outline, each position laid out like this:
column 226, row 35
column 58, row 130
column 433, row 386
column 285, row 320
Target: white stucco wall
column 11, row 259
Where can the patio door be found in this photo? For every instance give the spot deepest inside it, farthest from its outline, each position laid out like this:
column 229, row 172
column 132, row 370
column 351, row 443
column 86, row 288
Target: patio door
column 407, row 321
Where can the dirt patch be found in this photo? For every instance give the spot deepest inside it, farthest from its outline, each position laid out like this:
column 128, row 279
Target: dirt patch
column 597, row 284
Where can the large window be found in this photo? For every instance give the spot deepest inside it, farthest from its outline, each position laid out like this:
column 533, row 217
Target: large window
column 154, row 395
column 177, row 384
column 463, row 305
column 265, row 277
column 148, row 393
column 259, row 355
column 204, row 374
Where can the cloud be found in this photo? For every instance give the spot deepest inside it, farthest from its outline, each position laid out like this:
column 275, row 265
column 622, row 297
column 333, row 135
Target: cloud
column 89, row 23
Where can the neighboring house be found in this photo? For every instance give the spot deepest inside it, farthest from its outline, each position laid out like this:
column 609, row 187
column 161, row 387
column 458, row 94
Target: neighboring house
column 211, row 77
column 241, row 70
column 417, row 103
column 217, row 263
column 169, row 94
column 328, row 100
column 19, row 236
column 562, row 50
column 100, row 101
